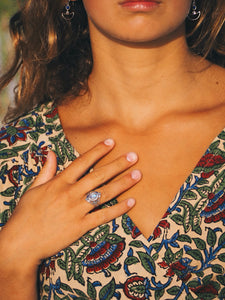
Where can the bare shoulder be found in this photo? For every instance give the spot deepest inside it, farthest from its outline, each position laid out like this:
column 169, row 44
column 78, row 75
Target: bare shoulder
column 211, row 85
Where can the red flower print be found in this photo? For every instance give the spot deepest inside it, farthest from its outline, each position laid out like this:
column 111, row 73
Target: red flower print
column 215, row 210
column 209, row 160
column 206, row 175
column 12, row 133
column 40, row 155
column 157, row 232
column 46, row 268
column 137, row 288
column 102, row 255
column 13, row 175
column 202, row 290
column 52, row 114
column 181, row 268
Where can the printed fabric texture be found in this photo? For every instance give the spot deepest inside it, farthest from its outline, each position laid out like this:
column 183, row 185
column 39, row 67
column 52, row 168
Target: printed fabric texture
column 184, row 258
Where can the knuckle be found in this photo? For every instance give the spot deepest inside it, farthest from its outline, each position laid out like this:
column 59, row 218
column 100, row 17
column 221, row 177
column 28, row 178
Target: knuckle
column 121, row 163
column 103, row 217
column 99, row 175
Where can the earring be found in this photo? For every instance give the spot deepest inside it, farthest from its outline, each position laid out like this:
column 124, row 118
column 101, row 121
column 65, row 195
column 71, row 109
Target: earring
column 194, row 14
column 67, row 14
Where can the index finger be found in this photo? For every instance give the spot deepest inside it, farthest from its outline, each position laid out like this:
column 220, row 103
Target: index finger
column 84, row 162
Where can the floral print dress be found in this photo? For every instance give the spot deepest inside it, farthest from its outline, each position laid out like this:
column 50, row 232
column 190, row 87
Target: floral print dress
column 184, row 258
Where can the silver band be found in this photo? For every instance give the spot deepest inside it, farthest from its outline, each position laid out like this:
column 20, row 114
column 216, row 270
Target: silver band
column 93, row 198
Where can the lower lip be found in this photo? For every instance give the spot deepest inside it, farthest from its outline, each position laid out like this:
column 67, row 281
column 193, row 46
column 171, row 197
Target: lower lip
column 140, row 5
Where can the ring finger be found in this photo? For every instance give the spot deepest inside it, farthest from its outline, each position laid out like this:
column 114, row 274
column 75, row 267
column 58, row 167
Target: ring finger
column 113, row 189
column 102, row 174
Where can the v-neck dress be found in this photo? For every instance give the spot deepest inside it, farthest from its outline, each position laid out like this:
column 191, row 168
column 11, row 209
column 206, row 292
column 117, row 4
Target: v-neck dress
column 184, row 258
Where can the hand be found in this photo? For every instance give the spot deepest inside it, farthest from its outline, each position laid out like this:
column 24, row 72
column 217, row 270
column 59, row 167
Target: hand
column 53, row 213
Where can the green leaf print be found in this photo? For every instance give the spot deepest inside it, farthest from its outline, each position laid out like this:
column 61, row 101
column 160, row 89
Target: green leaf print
column 8, row 192
column 70, row 262
column 159, row 294
column 211, row 237
column 178, row 255
column 34, row 136
column 101, row 234
column 221, row 241
column 114, row 267
column 131, row 260
column 187, row 218
column 200, row 244
column 219, row 183
column 204, row 191
column 189, row 195
column 2, row 146
column 222, row 294
column 82, row 252
column 173, row 290
column 207, row 279
column 29, row 122
column 217, row 269
column 61, row 264
column 221, row 279
column 193, row 284
column 107, row 292
column 196, row 254
column 178, row 219
column 221, row 257
column 169, row 256
column 184, row 238
column 7, row 153
column 147, row 262
column 65, row 287
column 137, row 244
column 222, row 135
column 203, row 181
column 80, row 293
column 189, row 297
column 21, row 148
column 91, row 290
column 114, row 238
column 214, row 145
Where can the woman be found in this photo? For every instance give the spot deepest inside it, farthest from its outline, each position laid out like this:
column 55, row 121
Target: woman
column 121, row 72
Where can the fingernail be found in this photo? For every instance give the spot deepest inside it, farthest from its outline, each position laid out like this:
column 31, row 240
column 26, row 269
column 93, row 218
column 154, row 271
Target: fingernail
column 132, row 157
column 136, row 175
column 109, row 142
column 131, row 202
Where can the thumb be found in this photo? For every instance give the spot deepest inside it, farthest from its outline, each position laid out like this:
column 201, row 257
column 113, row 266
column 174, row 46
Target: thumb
column 48, row 171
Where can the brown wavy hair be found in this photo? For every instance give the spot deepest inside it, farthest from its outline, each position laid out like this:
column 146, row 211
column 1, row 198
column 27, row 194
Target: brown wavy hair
column 53, row 57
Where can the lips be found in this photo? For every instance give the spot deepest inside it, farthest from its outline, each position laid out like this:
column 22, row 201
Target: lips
column 139, row 1
column 140, row 5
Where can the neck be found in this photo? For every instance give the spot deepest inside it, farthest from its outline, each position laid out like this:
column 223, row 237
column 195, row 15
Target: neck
column 131, row 80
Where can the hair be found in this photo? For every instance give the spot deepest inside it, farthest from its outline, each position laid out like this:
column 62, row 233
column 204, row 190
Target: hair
column 54, row 59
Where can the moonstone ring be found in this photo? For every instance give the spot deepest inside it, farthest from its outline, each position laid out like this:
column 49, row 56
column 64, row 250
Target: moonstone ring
column 93, row 198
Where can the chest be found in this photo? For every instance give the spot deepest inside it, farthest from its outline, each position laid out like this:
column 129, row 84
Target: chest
column 166, row 159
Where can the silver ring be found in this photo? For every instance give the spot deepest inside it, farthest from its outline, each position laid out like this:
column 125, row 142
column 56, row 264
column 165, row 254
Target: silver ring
column 93, row 198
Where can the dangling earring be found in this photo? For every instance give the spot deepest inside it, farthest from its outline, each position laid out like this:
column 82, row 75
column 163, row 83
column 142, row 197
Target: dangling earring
column 68, row 15
column 194, row 14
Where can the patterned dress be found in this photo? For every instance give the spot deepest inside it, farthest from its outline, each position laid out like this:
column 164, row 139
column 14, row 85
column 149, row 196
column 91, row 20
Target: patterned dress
column 184, row 258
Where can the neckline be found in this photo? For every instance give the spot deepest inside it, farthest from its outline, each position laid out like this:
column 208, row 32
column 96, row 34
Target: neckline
column 165, row 216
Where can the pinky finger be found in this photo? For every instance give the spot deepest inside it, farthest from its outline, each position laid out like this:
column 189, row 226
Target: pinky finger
column 105, row 215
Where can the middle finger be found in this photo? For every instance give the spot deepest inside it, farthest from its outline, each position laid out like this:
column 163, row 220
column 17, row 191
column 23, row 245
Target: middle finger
column 102, row 174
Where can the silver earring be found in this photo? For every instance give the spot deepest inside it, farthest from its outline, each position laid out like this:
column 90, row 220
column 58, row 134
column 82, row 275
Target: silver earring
column 194, row 14
column 68, row 14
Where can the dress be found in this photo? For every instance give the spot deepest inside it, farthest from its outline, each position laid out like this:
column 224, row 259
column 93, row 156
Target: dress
column 184, row 258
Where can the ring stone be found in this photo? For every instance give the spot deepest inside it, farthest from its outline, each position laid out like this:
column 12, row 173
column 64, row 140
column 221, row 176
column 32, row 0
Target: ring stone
column 93, row 198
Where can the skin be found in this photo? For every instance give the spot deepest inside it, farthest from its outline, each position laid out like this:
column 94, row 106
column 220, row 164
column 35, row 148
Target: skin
column 53, row 196
column 140, row 96
column 149, row 93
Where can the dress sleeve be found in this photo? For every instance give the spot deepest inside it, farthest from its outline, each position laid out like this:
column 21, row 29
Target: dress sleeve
column 21, row 160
